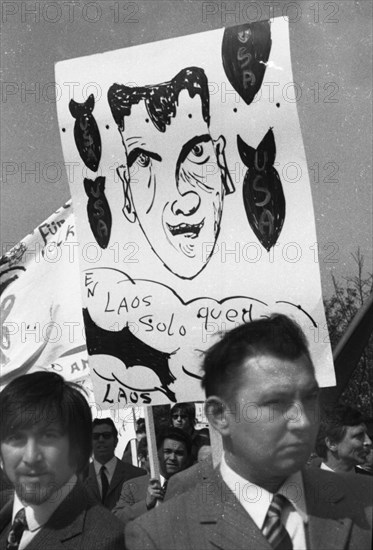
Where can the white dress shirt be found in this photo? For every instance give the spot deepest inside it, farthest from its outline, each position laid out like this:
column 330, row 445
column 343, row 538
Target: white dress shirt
column 38, row 514
column 324, row 466
column 110, row 468
column 256, row 501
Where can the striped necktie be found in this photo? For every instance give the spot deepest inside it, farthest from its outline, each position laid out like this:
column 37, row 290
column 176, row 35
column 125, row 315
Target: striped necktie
column 104, row 483
column 16, row 531
column 273, row 528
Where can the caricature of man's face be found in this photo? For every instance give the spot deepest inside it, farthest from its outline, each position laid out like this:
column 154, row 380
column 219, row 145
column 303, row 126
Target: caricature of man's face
column 173, row 185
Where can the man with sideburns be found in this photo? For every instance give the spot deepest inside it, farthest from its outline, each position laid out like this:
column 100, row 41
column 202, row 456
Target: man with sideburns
column 46, row 431
column 262, row 397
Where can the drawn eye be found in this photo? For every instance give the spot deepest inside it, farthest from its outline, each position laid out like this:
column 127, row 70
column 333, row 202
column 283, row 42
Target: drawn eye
column 198, row 150
column 143, row 160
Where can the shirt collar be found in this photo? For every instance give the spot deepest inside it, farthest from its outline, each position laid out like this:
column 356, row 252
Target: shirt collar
column 256, row 500
column 162, row 480
column 324, row 466
column 38, row 514
column 110, row 466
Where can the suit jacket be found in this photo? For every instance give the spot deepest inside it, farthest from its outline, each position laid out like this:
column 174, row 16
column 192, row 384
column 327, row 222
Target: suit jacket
column 132, row 501
column 210, row 517
column 123, row 472
column 76, row 524
column 187, row 479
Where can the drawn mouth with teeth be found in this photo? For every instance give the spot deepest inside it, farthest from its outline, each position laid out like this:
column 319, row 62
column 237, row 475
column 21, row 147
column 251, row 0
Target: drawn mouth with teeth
column 188, row 230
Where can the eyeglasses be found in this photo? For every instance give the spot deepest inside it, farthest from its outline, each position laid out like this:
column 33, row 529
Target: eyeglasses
column 105, row 435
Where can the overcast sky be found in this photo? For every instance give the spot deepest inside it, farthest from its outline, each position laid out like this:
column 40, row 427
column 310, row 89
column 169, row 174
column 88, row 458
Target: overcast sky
column 332, row 67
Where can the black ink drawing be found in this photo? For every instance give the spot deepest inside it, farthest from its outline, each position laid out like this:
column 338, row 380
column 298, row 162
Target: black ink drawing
column 10, row 279
column 86, row 132
column 175, row 183
column 130, row 350
column 128, row 307
column 245, row 53
column 262, row 190
column 98, row 210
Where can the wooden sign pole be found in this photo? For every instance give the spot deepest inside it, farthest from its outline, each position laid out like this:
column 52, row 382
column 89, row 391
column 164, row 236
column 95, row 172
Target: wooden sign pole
column 152, row 444
column 216, row 445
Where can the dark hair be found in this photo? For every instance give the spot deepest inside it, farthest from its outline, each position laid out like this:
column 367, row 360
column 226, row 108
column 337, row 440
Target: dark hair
column 142, row 448
column 277, row 335
column 189, row 409
column 177, row 435
column 109, row 422
column 46, row 397
column 334, row 423
column 140, row 426
column 160, row 99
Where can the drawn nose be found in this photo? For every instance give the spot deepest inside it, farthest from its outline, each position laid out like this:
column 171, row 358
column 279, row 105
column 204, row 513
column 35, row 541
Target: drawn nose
column 186, row 204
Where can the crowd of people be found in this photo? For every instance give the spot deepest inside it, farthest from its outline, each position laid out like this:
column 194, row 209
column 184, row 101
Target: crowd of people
column 289, row 477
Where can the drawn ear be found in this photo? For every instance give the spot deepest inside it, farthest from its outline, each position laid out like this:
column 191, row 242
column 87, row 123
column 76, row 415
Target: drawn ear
column 128, row 208
column 219, row 145
column 216, row 412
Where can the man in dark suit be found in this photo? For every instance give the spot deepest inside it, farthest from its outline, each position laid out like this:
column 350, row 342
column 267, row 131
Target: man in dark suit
column 262, row 397
column 143, row 493
column 106, row 474
column 45, row 431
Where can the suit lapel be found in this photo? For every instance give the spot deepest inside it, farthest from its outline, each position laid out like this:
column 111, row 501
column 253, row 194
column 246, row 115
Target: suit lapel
column 91, row 481
column 5, row 522
column 328, row 525
column 6, row 514
column 66, row 522
column 117, row 477
column 226, row 523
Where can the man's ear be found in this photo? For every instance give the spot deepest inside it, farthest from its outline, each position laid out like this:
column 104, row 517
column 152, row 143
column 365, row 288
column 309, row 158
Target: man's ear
column 128, row 208
column 331, row 445
column 219, row 145
column 216, row 411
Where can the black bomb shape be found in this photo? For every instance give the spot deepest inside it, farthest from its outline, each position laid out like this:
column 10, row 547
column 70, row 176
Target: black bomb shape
column 262, row 191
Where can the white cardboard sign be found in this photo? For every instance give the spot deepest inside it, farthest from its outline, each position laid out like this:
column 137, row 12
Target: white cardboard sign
column 193, row 205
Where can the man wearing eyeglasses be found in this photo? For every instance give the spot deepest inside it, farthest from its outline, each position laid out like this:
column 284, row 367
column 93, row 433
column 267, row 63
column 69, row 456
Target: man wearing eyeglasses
column 183, row 417
column 106, row 473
